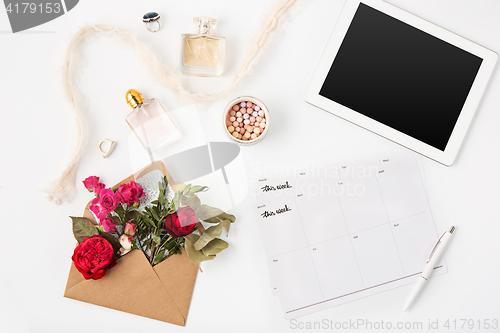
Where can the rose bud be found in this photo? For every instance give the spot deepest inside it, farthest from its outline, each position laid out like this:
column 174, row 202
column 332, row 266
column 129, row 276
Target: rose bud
column 126, row 243
column 182, row 222
column 90, row 182
column 93, row 257
column 130, row 229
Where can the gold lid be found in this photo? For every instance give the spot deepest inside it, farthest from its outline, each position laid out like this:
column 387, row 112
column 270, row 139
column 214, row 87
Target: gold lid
column 134, row 98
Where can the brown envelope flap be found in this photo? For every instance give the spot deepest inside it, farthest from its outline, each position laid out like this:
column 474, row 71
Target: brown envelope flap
column 131, row 286
column 169, row 284
column 178, row 275
column 156, row 165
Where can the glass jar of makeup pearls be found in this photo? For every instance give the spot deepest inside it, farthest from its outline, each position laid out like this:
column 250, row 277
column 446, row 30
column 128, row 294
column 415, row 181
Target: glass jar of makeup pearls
column 246, row 120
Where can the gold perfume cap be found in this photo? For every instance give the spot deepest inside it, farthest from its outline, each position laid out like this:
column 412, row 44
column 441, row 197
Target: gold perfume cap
column 134, row 98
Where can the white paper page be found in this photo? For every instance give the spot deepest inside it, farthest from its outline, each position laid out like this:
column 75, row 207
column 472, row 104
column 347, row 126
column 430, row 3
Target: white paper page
column 323, row 173
column 350, row 238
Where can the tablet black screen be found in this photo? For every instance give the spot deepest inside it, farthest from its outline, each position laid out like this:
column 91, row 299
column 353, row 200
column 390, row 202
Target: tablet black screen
column 401, row 76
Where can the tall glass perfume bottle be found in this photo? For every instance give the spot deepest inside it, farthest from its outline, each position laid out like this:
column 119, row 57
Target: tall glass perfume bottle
column 202, row 54
column 150, row 122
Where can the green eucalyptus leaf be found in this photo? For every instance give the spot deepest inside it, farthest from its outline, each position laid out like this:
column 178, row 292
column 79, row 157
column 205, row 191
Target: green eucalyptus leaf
column 135, row 215
column 158, row 258
column 194, row 255
column 208, row 235
column 83, row 228
column 223, row 216
column 148, row 221
column 227, row 225
column 194, row 202
column 160, row 197
column 186, row 189
column 179, row 187
column 214, row 246
column 205, row 212
column 156, row 239
column 165, row 182
column 156, row 213
column 175, row 201
column 198, row 188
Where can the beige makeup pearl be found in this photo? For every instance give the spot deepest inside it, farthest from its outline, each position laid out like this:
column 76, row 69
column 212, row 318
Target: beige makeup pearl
column 239, row 119
column 256, row 130
column 238, row 114
column 235, row 134
column 247, row 135
column 230, row 129
column 232, row 113
column 232, row 118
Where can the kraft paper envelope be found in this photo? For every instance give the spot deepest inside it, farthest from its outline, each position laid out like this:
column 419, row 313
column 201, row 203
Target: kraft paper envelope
column 162, row 292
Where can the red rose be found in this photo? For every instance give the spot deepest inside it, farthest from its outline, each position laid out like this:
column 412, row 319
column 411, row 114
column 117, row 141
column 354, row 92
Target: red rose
column 106, row 203
column 93, row 257
column 130, row 193
column 182, row 222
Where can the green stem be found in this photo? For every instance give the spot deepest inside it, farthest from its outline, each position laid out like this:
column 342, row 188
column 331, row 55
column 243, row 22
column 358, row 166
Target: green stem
column 166, row 240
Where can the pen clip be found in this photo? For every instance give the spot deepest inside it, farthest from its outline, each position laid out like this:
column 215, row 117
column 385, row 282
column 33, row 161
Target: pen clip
column 439, row 240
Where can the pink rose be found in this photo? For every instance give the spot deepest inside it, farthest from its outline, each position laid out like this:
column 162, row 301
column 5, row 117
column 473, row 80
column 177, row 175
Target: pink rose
column 98, row 187
column 130, row 193
column 130, row 229
column 106, row 203
column 90, row 182
column 108, row 224
column 126, row 243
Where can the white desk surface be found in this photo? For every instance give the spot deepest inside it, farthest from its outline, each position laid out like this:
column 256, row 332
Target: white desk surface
column 233, row 294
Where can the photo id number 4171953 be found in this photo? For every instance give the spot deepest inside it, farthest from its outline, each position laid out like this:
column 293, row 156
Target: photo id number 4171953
column 31, row 7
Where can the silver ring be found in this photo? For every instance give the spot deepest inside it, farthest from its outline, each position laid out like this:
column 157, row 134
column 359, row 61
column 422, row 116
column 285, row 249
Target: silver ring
column 151, row 18
column 112, row 145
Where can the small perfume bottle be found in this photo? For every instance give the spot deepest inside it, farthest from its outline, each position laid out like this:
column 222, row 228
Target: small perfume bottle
column 150, row 122
column 202, row 54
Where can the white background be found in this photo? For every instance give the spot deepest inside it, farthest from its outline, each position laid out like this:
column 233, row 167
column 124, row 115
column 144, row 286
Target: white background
column 233, row 294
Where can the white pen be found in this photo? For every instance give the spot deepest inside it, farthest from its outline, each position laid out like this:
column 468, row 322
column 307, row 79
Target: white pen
column 431, row 263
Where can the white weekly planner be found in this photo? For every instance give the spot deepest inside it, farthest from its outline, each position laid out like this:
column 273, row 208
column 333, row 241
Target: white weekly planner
column 339, row 232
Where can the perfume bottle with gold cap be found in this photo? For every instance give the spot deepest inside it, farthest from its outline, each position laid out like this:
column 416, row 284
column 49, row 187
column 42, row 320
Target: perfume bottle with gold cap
column 202, row 54
column 150, row 122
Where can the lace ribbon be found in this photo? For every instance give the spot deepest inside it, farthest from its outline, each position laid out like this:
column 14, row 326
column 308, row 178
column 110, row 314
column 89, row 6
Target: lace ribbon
column 63, row 188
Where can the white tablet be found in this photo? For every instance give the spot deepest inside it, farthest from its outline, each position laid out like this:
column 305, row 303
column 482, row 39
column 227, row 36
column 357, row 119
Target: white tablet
column 401, row 77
